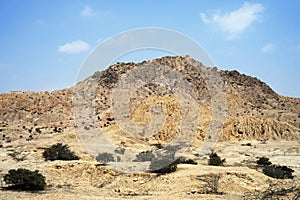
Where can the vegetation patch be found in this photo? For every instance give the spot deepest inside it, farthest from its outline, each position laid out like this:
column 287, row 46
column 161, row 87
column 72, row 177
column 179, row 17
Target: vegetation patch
column 59, row 151
column 215, row 160
column 24, row 179
column 105, row 157
column 279, row 172
column 263, row 161
column 274, row 192
column 144, row 156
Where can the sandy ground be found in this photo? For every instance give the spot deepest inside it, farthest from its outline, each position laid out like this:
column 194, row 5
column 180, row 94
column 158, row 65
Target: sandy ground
column 84, row 179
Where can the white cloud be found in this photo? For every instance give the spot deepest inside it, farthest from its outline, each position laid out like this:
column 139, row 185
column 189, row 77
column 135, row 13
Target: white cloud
column 77, row 46
column 204, row 18
column 268, row 48
column 235, row 22
column 87, row 11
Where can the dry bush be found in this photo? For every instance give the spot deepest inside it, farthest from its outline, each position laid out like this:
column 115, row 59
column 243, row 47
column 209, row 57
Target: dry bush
column 212, row 183
column 275, row 192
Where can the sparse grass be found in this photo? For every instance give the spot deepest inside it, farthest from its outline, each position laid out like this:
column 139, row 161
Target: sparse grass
column 212, row 183
column 17, row 156
column 274, row 192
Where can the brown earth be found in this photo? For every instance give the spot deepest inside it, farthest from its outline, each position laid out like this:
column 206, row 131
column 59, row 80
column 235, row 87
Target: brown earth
column 255, row 114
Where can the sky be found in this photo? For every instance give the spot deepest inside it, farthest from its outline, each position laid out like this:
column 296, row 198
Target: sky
column 44, row 43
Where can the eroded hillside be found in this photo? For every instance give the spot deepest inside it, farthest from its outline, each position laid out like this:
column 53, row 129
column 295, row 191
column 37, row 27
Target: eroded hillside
column 259, row 122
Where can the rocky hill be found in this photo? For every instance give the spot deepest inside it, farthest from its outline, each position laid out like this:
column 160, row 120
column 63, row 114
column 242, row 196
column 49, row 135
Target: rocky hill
column 254, row 110
column 257, row 122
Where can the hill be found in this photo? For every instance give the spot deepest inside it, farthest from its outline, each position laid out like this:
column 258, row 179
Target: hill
column 254, row 110
column 255, row 121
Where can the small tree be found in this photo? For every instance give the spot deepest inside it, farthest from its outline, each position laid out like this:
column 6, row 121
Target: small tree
column 215, row 160
column 24, row 179
column 263, row 161
column 59, row 152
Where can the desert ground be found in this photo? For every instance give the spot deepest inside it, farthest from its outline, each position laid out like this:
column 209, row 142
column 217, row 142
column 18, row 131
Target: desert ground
column 258, row 123
column 85, row 179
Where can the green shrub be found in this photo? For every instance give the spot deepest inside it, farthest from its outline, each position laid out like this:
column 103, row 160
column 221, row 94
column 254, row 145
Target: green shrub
column 263, row 161
column 160, row 166
column 144, row 156
column 279, row 172
column 182, row 160
column 59, row 152
column 167, row 165
column 120, row 151
column 172, row 149
column 247, row 144
column 215, row 160
column 24, row 179
column 164, row 163
column 158, row 146
column 105, row 157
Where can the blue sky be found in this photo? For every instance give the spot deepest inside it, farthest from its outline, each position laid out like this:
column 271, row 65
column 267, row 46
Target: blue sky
column 44, row 43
